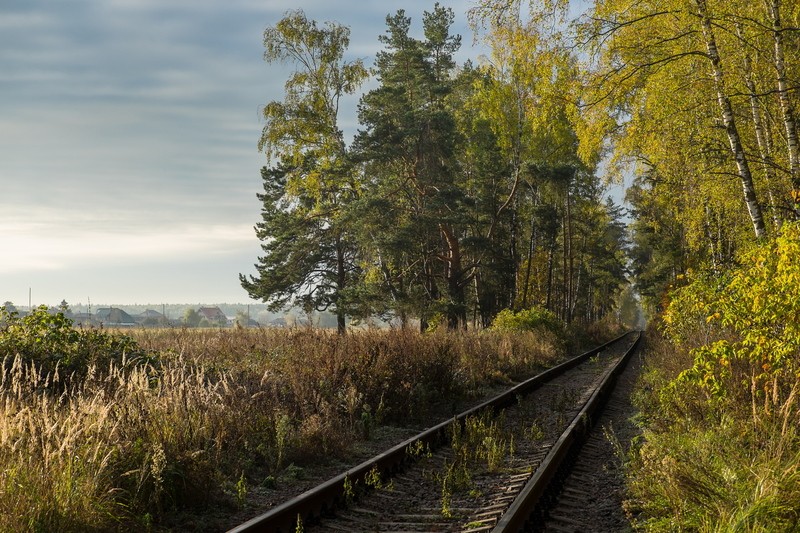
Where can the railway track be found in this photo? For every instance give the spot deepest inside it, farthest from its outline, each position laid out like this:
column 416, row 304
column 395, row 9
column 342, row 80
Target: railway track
column 590, row 496
column 496, row 467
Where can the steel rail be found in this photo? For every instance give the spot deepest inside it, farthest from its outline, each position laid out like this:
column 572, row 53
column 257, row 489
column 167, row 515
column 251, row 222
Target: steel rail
column 324, row 498
column 528, row 510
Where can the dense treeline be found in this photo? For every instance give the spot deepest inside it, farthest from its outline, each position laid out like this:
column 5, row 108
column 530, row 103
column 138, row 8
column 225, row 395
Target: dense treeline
column 464, row 192
column 694, row 100
column 697, row 100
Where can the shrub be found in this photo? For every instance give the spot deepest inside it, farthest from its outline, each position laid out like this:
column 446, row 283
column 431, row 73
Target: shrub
column 709, row 463
column 533, row 319
column 51, row 342
column 722, row 442
column 747, row 320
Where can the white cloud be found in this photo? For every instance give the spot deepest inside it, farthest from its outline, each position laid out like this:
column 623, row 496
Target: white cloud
column 128, row 132
column 36, row 246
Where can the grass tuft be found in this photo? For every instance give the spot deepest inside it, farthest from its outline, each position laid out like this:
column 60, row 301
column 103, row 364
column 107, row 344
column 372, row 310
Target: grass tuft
column 94, row 440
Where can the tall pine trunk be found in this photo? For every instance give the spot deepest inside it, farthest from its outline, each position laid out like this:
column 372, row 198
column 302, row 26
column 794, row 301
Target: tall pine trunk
column 457, row 310
column 341, row 281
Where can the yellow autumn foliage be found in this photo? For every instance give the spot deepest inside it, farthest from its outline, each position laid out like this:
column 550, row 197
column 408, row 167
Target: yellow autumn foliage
column 751, row 314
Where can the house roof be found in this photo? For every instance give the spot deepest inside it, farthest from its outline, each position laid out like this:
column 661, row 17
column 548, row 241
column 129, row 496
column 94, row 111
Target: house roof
column 113, row 315
column 212, row 313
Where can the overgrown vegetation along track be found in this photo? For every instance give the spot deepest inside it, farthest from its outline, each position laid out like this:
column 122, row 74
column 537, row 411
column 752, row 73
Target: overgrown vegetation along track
column 589, row 497
column 471, row 484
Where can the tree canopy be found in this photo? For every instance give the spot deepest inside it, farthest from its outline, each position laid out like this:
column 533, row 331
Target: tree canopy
column 468, row 189
column 309, row 256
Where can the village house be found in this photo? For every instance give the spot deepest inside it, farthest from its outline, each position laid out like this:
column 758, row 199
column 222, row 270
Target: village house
column 213, row 315
column 114, row 317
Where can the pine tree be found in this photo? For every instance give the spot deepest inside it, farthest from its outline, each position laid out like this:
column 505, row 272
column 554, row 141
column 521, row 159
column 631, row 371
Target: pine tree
column 309, row 253
column 414, row 208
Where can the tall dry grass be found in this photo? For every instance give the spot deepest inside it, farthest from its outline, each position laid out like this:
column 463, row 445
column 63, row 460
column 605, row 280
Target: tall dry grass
column 123, row 445
column 315, row 372
column 714, row 464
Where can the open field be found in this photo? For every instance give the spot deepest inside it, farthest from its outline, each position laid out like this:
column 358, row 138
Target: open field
column 102, row 431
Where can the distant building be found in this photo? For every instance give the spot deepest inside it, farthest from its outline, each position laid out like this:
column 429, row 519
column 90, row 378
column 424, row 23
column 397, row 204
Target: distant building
column 114, row 317
column 214, row 315
column 150, row 317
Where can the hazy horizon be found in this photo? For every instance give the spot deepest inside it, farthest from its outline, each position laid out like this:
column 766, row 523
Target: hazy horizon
column 128, row 141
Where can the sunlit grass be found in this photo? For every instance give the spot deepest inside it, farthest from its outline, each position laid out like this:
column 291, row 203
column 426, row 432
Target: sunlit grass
column 713, row 465
column 210, row 412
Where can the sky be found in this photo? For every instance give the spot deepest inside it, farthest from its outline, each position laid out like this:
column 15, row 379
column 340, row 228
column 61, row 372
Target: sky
column 129, row 165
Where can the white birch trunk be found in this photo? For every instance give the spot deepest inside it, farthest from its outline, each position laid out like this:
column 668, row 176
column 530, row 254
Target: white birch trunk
column 764, row 147
column 783, row 94
column 728, row 119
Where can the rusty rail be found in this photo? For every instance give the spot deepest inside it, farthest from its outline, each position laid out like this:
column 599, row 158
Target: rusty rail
column 324, row 498
column 527, row 513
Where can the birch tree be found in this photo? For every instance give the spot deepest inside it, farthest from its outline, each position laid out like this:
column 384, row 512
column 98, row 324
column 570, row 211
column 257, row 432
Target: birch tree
column 309, row 253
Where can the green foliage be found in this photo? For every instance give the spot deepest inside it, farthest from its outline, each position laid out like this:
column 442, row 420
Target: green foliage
column 349, row 491
column 304, row 126
column 411, row 217
column 481, row 444
column 717, row 111
column 241, row 491
column 659, row 251
column 485, row 440
column 50, row 341
column 710, row 464
column 308, row 257
column 527, row 320
column 464, row 192
column 751, row 315
column 192, row 318
column 720, row 404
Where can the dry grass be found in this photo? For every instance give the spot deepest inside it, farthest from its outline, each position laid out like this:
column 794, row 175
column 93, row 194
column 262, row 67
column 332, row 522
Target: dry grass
column 123, row 447
column 709, row 464
column 128, row 445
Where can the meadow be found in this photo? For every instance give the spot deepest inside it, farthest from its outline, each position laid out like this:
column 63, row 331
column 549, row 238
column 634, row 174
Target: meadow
column 106, row 431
